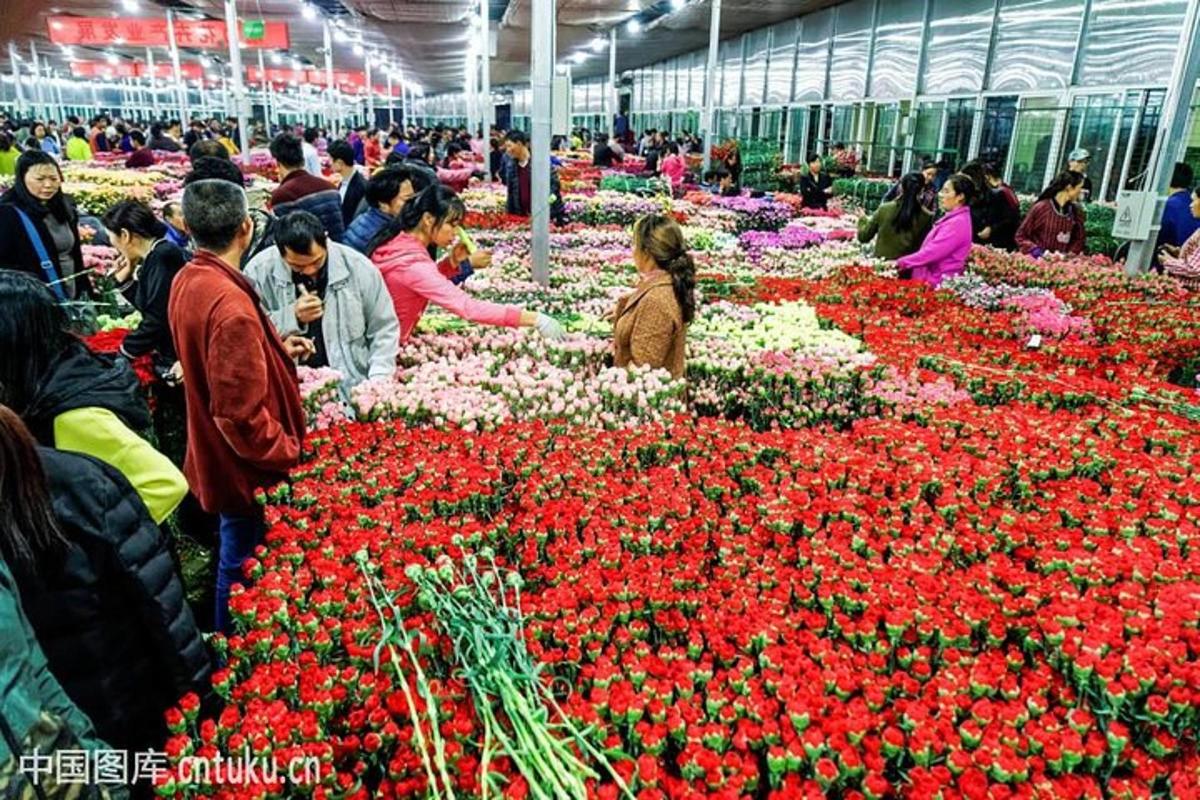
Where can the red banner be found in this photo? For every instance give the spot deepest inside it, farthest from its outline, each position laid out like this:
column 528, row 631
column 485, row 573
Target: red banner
column 133, row 69
column 342, row 78
column 346, row 80
column 152, row 32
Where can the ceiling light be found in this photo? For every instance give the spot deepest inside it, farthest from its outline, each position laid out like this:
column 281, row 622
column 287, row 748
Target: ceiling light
column 634, row 27
column 296, row 64
column 579, row 57
column 678, row 4
column 276, row 59
column 308, row 12
column 341, row 37
column 110, row 58
column 129, row 5
column 204, row 62
column 358, row 50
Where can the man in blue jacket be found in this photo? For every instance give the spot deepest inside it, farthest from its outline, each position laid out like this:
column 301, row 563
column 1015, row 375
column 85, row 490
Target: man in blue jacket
column 1178, row 224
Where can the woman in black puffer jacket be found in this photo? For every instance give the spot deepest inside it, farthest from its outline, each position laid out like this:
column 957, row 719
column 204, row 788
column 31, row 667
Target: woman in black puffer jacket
column 101, row 593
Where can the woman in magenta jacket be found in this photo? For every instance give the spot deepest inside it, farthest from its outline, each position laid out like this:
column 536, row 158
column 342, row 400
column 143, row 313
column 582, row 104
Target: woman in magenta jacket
column 414, row 281
column 945, row 250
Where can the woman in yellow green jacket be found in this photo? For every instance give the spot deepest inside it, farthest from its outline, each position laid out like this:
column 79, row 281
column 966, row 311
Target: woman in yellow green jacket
column 8, row 155
column 74, row 399
column 78, row 148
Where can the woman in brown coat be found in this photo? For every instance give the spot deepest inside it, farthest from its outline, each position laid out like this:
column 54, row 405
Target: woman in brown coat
column 650, row 325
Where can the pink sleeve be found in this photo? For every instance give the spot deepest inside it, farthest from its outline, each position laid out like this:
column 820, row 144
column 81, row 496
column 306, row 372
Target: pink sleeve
column 427, row 281
column 451, row 177
column 937, row 247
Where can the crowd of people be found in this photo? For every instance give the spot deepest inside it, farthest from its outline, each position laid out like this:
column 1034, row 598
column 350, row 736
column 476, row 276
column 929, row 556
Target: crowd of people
column 99, row 639
column 335, row 271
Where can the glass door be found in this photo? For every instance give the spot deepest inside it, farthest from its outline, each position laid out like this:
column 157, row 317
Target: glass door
column 999, row 118
column 927, row 132
column 1031, row 146
column 956, row 139
column 879, row 151
column 1095, row 125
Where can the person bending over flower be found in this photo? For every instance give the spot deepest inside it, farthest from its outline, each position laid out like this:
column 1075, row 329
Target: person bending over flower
column 414, row 280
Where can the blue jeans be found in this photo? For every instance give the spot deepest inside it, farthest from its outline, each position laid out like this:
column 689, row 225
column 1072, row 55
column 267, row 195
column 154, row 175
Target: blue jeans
column 239, row 537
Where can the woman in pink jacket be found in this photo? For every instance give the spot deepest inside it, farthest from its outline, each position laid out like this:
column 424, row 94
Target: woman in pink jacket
column 945, row 250
column 414, row 280
column 673, row 167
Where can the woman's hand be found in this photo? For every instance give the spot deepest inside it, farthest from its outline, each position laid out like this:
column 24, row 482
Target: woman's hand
column 122, row 270
column 986, row 233
column 479, row 259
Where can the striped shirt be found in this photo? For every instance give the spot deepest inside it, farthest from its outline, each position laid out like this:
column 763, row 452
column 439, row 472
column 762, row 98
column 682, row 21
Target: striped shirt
column 1049, row 229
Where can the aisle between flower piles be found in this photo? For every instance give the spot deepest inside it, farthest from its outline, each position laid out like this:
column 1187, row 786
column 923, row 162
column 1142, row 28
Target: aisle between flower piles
column 881, row 547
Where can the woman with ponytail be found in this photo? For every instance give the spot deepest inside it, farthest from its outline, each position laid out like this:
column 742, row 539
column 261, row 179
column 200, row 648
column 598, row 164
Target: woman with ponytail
column 945, row 250
column 898, row 226
column 414, row 280
column 1056, row 221
column 650, row 324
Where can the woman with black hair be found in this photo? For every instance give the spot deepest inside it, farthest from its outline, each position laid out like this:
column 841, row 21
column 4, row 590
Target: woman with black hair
column 816, row 187
column 148, row 265
column 650, row 324
column 99, row 586
column 1055, row 224
column 40, row 227
column 944, row 251
column 898, row 226
column 8, row 154
column 414, row 280
column 74, row 399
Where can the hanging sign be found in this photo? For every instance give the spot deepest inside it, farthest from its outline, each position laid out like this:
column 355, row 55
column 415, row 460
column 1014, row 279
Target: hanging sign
column 152, row 32
column 253, row 30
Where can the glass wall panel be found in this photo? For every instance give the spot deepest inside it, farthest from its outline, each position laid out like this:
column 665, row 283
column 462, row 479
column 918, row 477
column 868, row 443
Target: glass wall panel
column 797, row 131
column 841, row 128
column 1091, row 125
column 960, row 120
column 812, row 55
column 1131, row 42
column 1035, row 44
column 999, row 119
column 878, row 154
column 755, row 72
column 1031, row 143
column 959, row 34
column 897, row 48
column 730, row 56
column 696, row 85
column 851, row 44
column 927, row 131
column 783, row 54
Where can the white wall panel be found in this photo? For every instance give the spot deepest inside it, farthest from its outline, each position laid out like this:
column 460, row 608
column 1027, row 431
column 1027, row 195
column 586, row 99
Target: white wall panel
column 897, row 48
column 1035, row 44
column 813, row 55
column 1131, row 42
column 851, row 47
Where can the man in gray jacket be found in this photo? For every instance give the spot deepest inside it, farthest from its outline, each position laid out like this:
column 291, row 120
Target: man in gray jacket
column 330, row 294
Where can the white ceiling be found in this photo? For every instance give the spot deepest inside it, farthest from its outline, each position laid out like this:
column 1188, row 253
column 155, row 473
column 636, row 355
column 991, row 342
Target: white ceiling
column 428, row 38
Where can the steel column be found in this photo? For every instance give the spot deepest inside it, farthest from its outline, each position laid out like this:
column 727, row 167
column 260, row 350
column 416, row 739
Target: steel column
column 542, row 48
column 710, row 89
